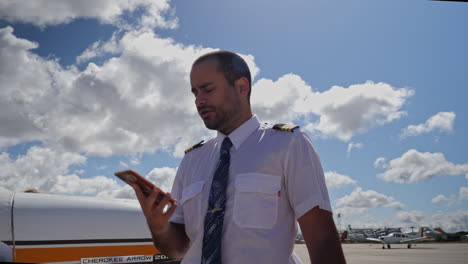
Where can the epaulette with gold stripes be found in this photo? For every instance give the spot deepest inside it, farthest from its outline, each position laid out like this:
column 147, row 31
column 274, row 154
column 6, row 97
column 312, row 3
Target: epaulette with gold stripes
column 199, row 144
column 285, row 127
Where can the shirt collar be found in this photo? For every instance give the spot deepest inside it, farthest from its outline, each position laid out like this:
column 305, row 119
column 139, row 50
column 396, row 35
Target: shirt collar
column 241, row 133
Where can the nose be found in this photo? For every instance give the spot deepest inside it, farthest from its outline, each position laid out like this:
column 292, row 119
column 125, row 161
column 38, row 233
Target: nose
column 200, row 100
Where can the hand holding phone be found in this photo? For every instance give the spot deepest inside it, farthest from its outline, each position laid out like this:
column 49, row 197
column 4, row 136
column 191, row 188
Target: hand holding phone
column 131, row 177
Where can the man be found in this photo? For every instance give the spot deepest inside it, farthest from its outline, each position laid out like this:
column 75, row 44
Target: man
column 241, row 193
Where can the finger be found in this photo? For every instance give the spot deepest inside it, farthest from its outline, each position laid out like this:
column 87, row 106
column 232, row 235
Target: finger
column 139, row 194
column 153, row 198
column 164, row 201
column 171, row 200
column 171, row 210
column 159, row 197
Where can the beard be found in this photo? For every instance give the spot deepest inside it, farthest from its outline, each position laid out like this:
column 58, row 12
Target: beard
column 223, row 116
column 219, row 119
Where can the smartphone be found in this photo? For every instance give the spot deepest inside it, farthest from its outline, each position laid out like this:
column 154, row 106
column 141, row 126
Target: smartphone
column 130, row 177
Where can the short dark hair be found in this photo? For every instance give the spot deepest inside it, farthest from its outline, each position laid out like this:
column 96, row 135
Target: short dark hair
column 231, row 65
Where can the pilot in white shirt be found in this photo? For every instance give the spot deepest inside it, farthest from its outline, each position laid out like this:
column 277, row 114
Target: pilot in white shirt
column 274, row 181
column 274, row 178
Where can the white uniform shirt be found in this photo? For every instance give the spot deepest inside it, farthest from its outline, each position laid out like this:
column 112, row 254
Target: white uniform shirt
column 275, row 177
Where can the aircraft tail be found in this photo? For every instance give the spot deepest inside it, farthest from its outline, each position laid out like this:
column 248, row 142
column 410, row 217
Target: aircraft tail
column 421, row 232
column 438, row 229
column 344, row 236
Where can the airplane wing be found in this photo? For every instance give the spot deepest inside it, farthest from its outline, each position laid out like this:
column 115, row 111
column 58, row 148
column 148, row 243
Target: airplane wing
column 375, row 239
column 414, row 239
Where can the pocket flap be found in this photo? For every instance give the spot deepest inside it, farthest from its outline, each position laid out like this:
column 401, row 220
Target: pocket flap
column 191, row 191
column 257, row 182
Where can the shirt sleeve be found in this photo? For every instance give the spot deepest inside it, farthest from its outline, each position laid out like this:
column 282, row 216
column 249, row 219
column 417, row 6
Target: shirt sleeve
column 304, row 177
column 176, row 192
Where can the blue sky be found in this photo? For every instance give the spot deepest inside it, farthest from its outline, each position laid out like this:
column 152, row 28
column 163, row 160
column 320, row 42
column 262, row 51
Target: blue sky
column 380, row 86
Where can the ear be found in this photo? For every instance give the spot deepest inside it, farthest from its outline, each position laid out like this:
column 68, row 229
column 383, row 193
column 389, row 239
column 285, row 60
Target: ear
column 242, row 86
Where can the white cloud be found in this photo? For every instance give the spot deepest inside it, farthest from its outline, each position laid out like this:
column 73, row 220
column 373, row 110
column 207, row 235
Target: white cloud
column 370, row 221
column 336, row 180
column 155, row 13
column 102, row 186
column 39, row 168
column 442, row 121
column 414, row 166
column 105, row 187
column 395, row 205
column 449, row 221
column 341, row 112
column 99, row 49
column 463, row 193
column 454, row 199
column 99, row 186
column 137, row 107
column 126, row 105
column 368, row 199
column 381, row 162
column 72, row 184
column 100, row 111
column 49, row 171
column 345, row 112
column 25, row 79
column 281, row 101
column 162, row 177
column 135, row 161
column 440, row 198
column 351, row 145
column 348, row 211
column 411, row 217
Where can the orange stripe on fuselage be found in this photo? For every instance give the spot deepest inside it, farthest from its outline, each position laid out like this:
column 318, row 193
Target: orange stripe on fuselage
column 76, row 253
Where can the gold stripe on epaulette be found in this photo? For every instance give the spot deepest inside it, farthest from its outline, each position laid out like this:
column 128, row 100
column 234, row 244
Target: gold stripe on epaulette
column 285, row 127
column 199, row 144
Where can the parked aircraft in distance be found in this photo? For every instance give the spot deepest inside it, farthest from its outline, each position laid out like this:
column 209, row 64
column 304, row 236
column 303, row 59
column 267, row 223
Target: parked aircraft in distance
column 361, row 234
column 451, row 236
column 400, row 238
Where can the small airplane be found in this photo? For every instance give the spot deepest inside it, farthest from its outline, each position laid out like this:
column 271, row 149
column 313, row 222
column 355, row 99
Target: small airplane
column 400, row 238
column 47, row 228
column 361, row 234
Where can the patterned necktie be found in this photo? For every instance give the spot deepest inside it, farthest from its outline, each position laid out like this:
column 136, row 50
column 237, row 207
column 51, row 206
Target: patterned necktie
column 211, row 251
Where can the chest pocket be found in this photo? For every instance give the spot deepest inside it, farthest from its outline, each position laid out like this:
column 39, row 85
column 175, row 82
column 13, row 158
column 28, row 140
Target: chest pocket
column 256, row 200
column 191, row 204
